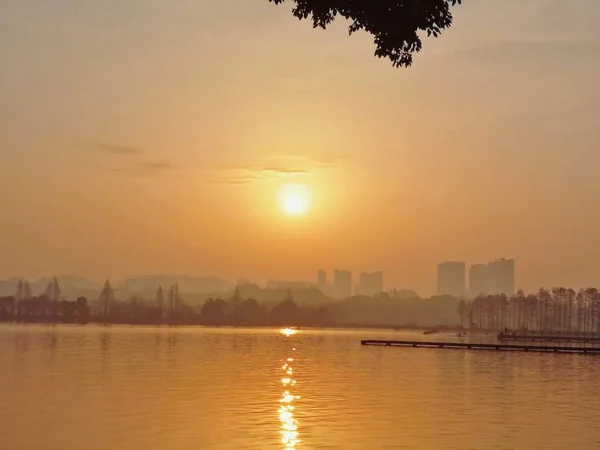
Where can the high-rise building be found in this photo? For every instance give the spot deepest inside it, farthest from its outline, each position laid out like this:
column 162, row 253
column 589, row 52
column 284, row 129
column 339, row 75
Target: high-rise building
column 342, row 283
column 478, row 283
column 496, row 277
column 370, row 283
column 322, row 280
column 451, row 277
column 501, row 276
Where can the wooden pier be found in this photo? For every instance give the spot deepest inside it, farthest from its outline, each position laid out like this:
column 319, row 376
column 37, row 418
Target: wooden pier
column 548, row 338
column 497, row 347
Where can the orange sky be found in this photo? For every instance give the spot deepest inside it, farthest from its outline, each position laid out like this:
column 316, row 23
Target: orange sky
column 152, row 137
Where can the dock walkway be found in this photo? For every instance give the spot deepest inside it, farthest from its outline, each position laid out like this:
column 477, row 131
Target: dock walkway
column 472, row 346
column 548, row 338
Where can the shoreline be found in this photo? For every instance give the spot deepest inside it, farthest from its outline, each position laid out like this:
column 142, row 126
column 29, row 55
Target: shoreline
column 344, row 326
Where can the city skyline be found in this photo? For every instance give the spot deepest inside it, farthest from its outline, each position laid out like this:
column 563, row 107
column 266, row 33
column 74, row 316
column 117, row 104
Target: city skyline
column 497, row 276
column 491, row 278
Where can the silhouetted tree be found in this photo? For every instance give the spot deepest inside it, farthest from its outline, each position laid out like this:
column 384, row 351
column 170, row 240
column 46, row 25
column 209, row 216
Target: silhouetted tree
column 558, row 310
column 107, row 296
column 286, row 313
column 251, row 311
column 7, row 308
column 235, row 304
column 27, row 290
column 53, row 290
column 160, row 302
column 462, row 312
column 82, row 310
column 173, row 299
column 19, row 297
column 213, row 312
column 136, row 303
column 394, row 24
column 316, row 316
column 67, row 311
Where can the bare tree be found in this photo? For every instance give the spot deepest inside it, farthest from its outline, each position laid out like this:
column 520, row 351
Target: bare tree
column 160, row 302
column 107, row 296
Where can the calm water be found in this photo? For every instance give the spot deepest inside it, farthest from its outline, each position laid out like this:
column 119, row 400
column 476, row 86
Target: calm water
column 126, row 388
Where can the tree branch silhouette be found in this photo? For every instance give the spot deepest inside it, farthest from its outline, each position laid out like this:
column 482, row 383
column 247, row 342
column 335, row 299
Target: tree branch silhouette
column 395, row 24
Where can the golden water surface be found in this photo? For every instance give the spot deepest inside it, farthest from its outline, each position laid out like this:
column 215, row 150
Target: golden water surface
column 130, row 388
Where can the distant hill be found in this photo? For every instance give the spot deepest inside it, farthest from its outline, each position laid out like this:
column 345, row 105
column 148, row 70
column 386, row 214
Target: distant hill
column 187, row 284
column 67, row 283
column 8, row 287
column 75, row 286
column 70, row 282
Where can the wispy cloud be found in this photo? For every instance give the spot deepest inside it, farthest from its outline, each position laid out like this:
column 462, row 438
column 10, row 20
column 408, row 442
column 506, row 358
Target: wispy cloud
column 275, row 167
column 279, row 171
column 306, row 160
column 148, row 168
column 241, row 176
column 236, row 181
column 118, row 149
column 157, row 165
column 133, row 160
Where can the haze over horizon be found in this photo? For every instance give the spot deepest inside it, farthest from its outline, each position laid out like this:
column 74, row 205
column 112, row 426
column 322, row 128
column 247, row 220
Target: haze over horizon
column 141, row 137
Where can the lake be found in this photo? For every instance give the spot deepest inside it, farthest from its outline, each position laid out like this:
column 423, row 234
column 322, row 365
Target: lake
column 130, row 388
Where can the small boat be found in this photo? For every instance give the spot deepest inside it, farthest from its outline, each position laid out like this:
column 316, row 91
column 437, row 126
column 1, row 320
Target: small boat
column 429, row 332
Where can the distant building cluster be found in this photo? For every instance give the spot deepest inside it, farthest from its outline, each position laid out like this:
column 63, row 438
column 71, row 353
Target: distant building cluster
column 493, row 278
column 451, row 278
column 286, row 285
column 368, row 284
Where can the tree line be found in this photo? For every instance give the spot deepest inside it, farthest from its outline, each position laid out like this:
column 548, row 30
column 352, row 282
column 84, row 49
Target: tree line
column 248, row 305
column 554, row 311
column 166, row 308
column 549, row 311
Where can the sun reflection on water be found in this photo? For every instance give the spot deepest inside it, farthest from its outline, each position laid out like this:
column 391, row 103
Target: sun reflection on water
column 289, row 424
column 288, row 331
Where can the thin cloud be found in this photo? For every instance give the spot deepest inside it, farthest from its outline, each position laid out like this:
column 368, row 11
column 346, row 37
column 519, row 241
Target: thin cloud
column 253, row 174
column 334, row 161
column 118, row 149
column 148, row 168
column 280, row 171
column 237, row 182
column 276, row 167
column 136, row 160
column 299, row 160
column 240, row 179
column 157, row 165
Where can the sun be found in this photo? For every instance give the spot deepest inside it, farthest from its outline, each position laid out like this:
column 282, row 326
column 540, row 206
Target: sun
column 294, row 199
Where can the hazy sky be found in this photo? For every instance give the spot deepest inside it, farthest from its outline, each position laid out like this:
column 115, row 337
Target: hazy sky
column 145, row 136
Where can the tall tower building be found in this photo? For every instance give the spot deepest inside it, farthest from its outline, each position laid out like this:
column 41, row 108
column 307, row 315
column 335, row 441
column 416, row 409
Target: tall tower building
column 370, row 283
column 501, row 276
column 496, row 277
column 322, row 281
column 342, row 283
column 451, row 278
column 478, row 282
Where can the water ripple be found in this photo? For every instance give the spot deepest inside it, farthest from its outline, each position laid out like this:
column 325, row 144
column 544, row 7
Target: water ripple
column 118, row 388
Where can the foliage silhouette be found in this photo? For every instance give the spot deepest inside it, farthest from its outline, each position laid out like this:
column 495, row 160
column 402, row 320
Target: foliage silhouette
column 395, row 24
column 285, row 313
column 557, row 311
column 549, row 311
